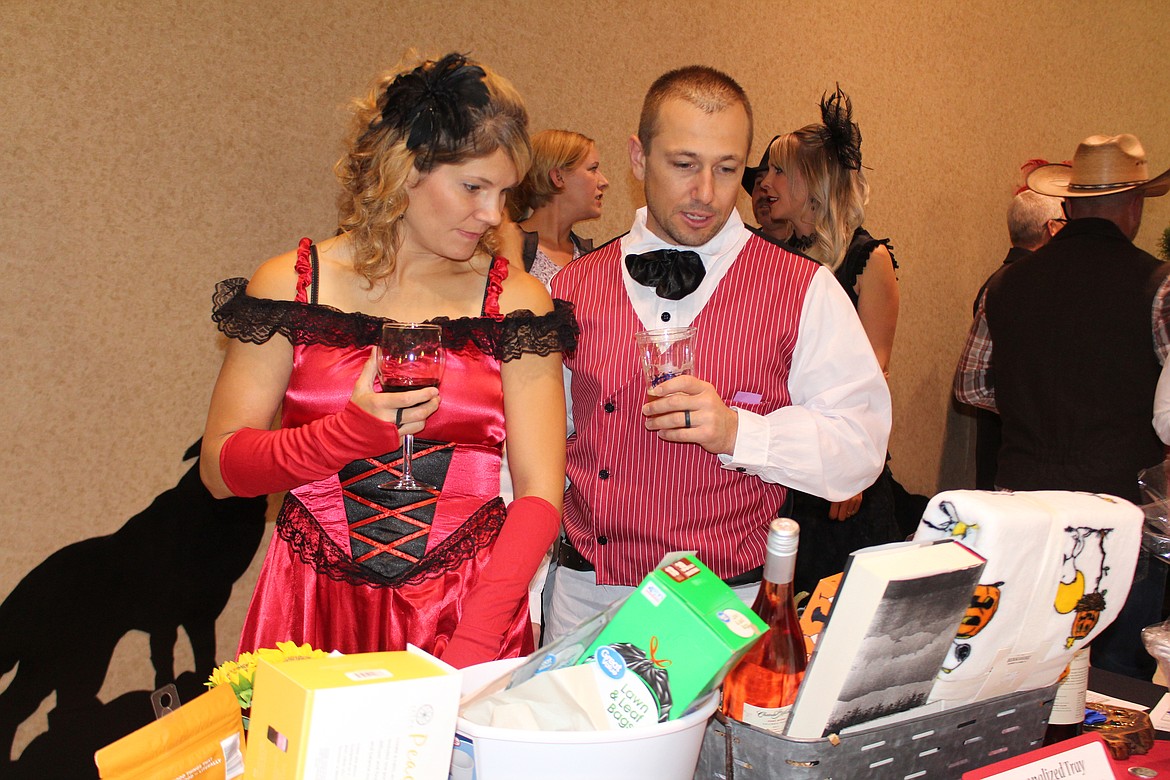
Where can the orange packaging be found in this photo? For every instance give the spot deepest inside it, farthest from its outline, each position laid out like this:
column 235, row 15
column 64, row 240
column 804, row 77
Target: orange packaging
column 816, row 610
column 201, row 740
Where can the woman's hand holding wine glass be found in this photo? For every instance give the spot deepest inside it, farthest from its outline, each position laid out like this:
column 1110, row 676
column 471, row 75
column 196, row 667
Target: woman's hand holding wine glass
column 410, row 357
column 410, row 410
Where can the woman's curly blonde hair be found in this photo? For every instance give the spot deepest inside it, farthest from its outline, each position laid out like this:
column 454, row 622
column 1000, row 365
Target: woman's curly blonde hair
column 376, row 165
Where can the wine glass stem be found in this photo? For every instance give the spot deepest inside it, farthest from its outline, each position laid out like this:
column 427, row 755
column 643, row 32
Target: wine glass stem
column 407, row 454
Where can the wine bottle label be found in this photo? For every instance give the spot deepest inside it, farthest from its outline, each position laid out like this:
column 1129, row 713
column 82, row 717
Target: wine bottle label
column 772, row 719
column 1068, row 706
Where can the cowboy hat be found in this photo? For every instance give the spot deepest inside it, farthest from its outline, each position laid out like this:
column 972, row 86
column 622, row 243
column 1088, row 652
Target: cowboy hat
column 1102, row 165
column 749, row 173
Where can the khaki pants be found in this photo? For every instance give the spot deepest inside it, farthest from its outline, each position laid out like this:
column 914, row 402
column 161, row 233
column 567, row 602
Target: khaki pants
column 571, row 597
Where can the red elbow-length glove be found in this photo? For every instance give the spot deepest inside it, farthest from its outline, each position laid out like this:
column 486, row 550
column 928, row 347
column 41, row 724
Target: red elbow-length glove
column 255, row 463
column 490, row 608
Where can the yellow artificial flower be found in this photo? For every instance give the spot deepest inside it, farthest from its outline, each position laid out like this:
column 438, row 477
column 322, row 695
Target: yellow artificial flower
column 238, row 673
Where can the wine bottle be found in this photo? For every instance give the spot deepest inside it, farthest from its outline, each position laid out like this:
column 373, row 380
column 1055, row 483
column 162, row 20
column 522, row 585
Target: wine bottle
column 1068, row 707
column 761, row 688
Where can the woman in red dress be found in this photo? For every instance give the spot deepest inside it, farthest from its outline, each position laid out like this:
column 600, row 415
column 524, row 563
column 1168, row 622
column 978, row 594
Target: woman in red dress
column 351, row 567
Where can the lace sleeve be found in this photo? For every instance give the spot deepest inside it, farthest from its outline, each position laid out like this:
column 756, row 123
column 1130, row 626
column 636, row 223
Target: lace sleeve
column 240, row 317
column 523, row 332
column 857, row 257
column 256, row 320
column 515, row 334
column 863, row 260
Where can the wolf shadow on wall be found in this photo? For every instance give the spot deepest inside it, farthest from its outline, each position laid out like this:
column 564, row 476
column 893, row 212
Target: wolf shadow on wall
column 172, row 564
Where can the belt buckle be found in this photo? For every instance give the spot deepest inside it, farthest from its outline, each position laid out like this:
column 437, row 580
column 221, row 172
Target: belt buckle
column 571, row 558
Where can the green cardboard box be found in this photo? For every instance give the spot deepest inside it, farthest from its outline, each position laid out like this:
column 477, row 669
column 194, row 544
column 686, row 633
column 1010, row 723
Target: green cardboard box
column 671, row 643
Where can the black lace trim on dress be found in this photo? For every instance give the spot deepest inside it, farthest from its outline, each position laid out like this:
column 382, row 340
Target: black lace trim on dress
column 256, row 320
column 315, row 548
column 857, row 256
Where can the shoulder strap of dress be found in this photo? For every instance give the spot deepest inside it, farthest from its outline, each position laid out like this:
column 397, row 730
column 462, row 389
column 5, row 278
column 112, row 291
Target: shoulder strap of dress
column 307, row 270
column 496, row 276
column 528, row 253
column 858, row 253
column 316, row 283
column 584, row 245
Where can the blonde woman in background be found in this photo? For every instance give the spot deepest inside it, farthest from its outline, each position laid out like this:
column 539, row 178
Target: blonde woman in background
column 564, row 186
column 816, row 185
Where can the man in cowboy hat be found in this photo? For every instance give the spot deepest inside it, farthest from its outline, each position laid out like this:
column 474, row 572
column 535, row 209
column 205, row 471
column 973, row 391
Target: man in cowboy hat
column 1066, row 345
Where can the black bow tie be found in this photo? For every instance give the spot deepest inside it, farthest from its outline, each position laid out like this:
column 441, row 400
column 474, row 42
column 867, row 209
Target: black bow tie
column 672, row 273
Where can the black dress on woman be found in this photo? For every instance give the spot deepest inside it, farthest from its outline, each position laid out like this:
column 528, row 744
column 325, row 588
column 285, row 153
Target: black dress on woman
column 825, row 544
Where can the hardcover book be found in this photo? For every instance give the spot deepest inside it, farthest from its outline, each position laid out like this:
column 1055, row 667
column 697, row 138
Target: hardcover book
column 888, row 632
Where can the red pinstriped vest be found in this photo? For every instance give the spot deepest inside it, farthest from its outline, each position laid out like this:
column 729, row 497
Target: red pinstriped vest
column 635, row 497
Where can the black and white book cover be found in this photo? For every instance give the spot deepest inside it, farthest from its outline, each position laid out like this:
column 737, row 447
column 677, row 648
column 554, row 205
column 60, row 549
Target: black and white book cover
column 889, row 630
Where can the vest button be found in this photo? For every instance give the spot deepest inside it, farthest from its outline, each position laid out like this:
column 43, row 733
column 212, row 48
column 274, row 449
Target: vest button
column 603, row 474
column 609, row 407
column 666, row 316
column 603, row 540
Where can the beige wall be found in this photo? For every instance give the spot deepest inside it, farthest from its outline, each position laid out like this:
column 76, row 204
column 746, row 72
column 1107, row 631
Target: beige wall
column 150, row 149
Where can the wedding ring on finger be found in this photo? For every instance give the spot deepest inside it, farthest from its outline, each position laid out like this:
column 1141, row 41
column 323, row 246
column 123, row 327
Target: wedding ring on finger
column 687, row 418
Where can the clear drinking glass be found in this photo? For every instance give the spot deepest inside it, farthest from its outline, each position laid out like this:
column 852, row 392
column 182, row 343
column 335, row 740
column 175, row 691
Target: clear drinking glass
column 410, row 356
column 666, row 353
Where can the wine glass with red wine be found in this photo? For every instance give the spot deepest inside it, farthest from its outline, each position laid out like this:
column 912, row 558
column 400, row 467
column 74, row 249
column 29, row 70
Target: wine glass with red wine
column 410, row 356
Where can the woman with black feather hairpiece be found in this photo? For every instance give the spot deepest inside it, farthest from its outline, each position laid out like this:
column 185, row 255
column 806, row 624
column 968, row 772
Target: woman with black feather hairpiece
column 816, row 184
column 353, row 567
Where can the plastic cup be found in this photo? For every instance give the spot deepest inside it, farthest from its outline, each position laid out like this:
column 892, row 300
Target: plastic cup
column 666, row 353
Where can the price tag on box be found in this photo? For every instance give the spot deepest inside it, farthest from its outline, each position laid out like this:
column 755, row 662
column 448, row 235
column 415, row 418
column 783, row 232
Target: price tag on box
column 1081, row 758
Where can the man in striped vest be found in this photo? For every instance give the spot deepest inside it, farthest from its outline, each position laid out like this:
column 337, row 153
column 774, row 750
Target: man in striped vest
column 786, row 390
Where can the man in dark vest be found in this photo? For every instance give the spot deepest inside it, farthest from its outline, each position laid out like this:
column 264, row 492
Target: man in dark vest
column 1080, row 329
column 1032, row 220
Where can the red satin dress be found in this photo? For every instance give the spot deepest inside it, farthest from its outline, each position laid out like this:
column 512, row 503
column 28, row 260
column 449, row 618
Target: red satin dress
column 357, row 569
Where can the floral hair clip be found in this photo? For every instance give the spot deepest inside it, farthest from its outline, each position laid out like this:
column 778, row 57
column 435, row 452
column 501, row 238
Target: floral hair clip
column 432, row 104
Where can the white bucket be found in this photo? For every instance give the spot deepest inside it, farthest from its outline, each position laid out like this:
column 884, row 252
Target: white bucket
column 663, row 751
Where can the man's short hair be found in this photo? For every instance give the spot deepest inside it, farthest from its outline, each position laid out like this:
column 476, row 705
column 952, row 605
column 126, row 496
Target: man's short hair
column 707, row 89
column 1028, row 217
column 1104, row 206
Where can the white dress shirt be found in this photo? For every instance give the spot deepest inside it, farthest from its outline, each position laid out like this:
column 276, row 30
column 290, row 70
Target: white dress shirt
column 832, row 440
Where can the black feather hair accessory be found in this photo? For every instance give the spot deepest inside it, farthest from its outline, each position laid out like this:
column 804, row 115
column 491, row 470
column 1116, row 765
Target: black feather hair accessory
column 431, row 105
column 841, row 134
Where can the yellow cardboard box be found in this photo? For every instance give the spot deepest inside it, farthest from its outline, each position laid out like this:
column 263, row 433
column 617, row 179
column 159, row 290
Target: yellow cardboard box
column 368, row 715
